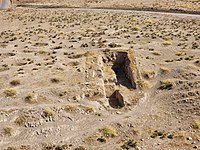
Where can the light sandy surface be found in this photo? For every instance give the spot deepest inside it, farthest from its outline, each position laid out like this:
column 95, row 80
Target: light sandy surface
column 56, row 72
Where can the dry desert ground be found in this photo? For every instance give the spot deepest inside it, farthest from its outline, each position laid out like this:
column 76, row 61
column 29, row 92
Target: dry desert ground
column 88, row 79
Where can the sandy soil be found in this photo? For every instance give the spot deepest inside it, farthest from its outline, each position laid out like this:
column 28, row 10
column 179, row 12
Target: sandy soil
column 56, row 76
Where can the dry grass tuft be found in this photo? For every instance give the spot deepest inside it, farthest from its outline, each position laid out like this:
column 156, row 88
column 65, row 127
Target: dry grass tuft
column 8, row 130
column 181, row 53
column 136, row 28
column 149, row 74
column 167, row 38
column 20, row 120
column 70, row 108
column 30, row 98
column 167, row 43
column 109, row 131
column 56, row 79
column 196, row 124
column 48, row 112
column 10, row 92
column 164, row 70
column 15, row 82
column 43, row 51
column 166, row 84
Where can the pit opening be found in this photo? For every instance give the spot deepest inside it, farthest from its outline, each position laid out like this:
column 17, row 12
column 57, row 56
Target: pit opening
column 120, row 68
column 116, row 100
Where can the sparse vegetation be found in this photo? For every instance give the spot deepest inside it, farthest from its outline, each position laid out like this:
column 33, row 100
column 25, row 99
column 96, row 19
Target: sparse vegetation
column 48, row 146
column 148, row 20
column 70, row 108
column 166, row 84
column 10, row 92
column 156, row 133
column 164, row 70
column 42, row 36
column 86, row 54
column 30, row 98
column 86, row 108
column 196, row 124
column 181, row 53
column 79, row 86
column 156, row 53
column 8, row 130
column 136, row 28
column 20, row 120
column 40, row 44
column 90, row 29
column 56, row 79
column 167, row 43
column 42, row 51
column 11, row 148
column 109, row 131
column 15, row 82
column 48, row 112
column 167, row 38
column 149, row 74
column 144, row 84
column 130, row 144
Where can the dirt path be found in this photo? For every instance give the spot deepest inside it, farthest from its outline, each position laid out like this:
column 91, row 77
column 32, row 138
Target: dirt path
column 187, row 13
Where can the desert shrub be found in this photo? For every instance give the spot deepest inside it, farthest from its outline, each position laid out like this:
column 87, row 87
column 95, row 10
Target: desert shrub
column 109, row 131
column 10, row 92
column 15, row 82
column 56, row 79
column 196, row 124
column 156, row 53
column 90, row 29
column 167, row 38
column 70, row 108
column 136, row 28
column 8, row 130
column 181, row 53
column 148, row 20
column 20, row 120
column 86, row 108
column 48, row 112
column 166, row 84
column 164, row 70
column 149, row 74
column 30, row 98
column 42, row 35
column 40, row 44
column 144, row 84
column 167, row 43
column 48, row 146
column 11, row 148
column 42, row 51
column 130, row 144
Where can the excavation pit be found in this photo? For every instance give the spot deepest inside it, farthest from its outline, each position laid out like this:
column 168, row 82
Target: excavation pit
column 120, row 76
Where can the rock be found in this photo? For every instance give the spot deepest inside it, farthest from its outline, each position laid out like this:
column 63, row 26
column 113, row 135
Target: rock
column 189, row 138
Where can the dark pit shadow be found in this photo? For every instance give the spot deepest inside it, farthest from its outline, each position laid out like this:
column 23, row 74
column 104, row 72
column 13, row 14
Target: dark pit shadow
column 116, row 100
column 119, row 69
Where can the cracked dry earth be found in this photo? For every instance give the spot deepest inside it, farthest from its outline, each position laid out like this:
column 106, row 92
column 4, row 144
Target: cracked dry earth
column 98, row 80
